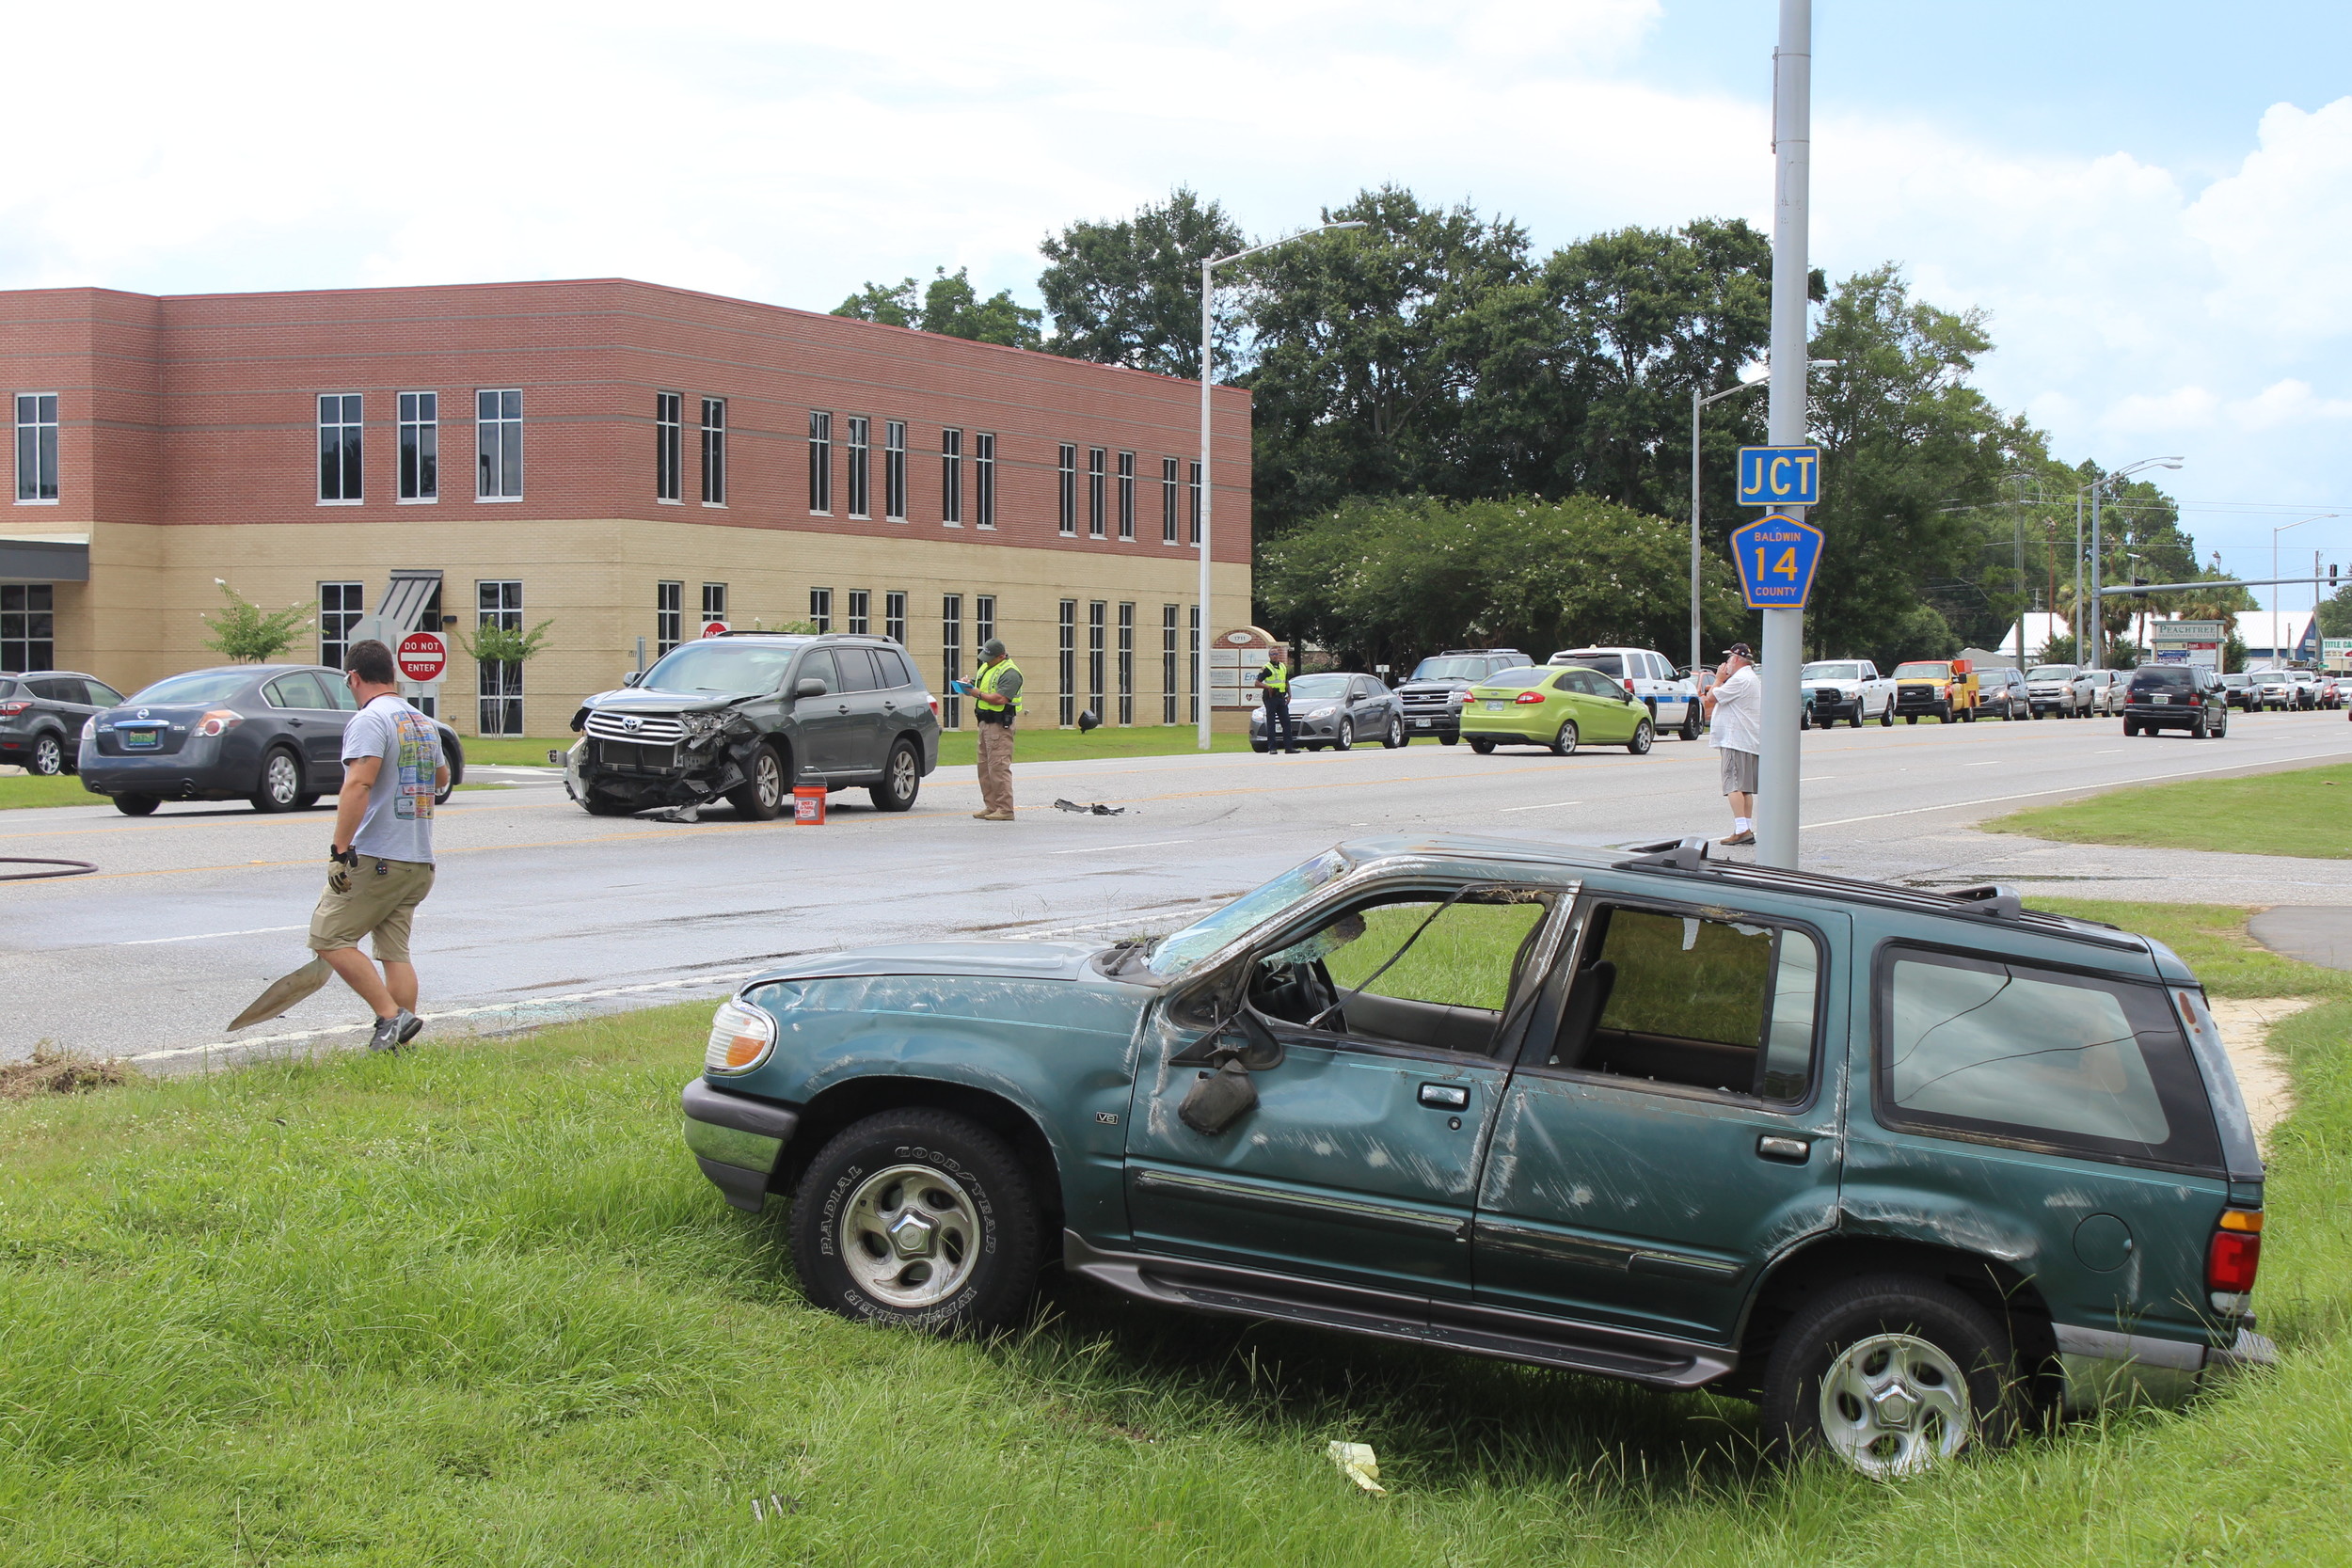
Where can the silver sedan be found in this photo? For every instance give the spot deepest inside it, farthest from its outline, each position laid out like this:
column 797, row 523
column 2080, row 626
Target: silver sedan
column 1337, row 710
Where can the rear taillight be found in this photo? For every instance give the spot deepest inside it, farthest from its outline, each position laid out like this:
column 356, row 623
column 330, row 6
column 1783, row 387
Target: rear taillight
column 933, row 698
column 10, row 710
column 1629, row 689
column 2235, row 1253
column 1528, row 697
column 219, row 721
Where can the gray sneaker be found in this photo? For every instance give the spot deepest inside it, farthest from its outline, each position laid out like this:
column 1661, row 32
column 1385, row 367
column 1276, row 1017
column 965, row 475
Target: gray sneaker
column 396, row 1031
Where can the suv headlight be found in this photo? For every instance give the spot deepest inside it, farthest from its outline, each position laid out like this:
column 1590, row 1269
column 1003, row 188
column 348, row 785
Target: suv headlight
column 701, row 726
column 742, row 1037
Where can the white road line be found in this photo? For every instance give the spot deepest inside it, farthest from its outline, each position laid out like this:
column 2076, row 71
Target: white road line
column 208, row 936
column 2069, row 789
column 1981, row 765
column 1104, row 849
column 1817, row 778
column 1548, row 805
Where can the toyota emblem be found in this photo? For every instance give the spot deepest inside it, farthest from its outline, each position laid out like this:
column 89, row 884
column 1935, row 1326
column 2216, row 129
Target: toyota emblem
column 633, row 722
column 142, row 713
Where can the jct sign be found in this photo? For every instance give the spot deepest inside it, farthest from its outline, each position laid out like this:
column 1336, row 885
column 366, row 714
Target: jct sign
column 423, row 658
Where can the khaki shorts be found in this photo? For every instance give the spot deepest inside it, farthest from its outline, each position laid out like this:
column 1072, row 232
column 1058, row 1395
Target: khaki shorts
column 378, row 905
column 1739, row 769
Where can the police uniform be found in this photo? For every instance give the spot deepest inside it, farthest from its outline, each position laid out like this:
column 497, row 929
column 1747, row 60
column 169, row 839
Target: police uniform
column 996, row 703
column 1274, row 681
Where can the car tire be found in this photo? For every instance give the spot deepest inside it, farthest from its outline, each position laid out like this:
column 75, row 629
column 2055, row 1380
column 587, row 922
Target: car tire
column 1644, row 737
column 973, row 1208
column 2196, row 728
column 2221, row 727
column 136, row 805
column 1911, row 718
column 1480, row 744
column 306, row 801
column 902, row 779
column 764, row 796
column 1563, row 739
column 1447, row 740
column 1258, row 746
column 453, row 759
column 281, row 782
column 1886, row 716
column 1395, row 735
column 2130, row 729
column 48, row 758
column 1689, row 729
column 1346, row 743
column 602, row 805
column 1860, row 1342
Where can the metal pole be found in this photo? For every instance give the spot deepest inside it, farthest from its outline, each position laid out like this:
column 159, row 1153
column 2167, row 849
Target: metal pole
column 2021, row 589
column 1784, row 629
column 2078, row 576
column 1208, row 625
column 2098, row 619
column 1696, row 402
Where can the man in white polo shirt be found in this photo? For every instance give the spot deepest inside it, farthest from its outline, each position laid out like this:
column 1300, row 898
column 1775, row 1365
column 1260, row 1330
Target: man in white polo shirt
column 1735, row 706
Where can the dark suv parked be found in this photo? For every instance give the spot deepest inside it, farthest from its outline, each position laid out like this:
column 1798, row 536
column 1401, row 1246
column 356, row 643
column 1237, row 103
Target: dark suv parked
column 1433, row 693
column 745, row 717
column 2176, row 697
column 41, row 715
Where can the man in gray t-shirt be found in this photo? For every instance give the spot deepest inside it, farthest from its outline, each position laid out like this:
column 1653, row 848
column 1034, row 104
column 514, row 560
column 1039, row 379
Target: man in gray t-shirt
column 382, row 854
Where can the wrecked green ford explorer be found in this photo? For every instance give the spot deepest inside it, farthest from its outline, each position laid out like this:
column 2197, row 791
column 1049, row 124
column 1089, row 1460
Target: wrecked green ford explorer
column 1911, row 1169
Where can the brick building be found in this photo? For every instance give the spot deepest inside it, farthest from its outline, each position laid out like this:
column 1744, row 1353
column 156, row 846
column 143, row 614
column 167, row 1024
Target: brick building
column 619, row 459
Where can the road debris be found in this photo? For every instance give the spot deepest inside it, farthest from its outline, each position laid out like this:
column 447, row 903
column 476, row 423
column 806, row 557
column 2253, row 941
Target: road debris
column 1359, row 1464
column 1097, row 808
column 283, row 993
column 778, row 1508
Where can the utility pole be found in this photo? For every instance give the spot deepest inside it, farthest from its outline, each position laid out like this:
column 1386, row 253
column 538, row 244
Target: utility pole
column 1784, row 629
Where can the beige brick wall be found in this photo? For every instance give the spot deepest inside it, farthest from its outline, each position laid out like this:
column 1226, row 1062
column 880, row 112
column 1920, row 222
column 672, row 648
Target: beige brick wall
column 139, row 618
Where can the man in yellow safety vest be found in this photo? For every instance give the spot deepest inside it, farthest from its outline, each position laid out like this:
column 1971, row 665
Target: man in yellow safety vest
column 996, row 692
column 1274, row 685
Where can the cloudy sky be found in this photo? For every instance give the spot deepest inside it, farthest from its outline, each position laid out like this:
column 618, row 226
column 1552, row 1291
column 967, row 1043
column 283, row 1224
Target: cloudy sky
column 2151, row 200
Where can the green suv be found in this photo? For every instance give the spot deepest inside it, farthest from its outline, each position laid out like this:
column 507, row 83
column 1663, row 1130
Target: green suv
column 1909, row 1169
column 1557, row 706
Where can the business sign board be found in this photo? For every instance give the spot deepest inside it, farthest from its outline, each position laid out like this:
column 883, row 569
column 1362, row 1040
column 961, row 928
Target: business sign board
column 2335, row 653
column 2197, row 642
column 1776, row 556
column 1780, row 476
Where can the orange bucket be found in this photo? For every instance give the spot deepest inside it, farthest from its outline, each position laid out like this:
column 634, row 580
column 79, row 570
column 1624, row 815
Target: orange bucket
column 808, row 805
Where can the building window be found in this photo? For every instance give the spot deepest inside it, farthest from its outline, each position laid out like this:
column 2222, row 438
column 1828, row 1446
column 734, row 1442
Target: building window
column 420, row 446
column 1066, row 649
column 1126, row 495
column 952, row 478
column 28, row 626
column 714, row 452
column 1194, row 484
column 36, row 457
column 338, row 448
column 669, row 444
column 820, row 609
column 498, row 444
column 1066, row 486
column 861, row 450
column 861, row 603
column 714, row 603
column 501, row 604
column 1095, row 651
column 894, row 618
column 669, row 611
column 1094, row 492
column 1168, row 534
column 984, row 479
column 1168, row 660
column 1126, row 664
column 984, row 618
column 820, row 462
column 340, row 607
column 950, row 659
column 1192, row 665
column 895, row 471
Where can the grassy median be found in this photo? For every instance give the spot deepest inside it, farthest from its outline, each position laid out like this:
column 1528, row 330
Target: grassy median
column 31, row 789
column 2306, row 811
column 474, row 1305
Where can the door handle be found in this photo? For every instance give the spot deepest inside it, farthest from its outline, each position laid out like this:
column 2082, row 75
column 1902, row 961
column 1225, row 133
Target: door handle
column 294, row 723
column 1444, row 1097
column 843, row 708
column 1789, row 1151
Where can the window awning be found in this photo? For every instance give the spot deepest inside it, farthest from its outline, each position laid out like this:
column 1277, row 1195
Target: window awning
column 43, row 560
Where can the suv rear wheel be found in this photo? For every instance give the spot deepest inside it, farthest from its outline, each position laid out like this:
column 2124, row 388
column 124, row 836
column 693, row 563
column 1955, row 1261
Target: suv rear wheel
column 918, row 1218
column 48, row 757
column 902, row 779
column 762, row 797
column 1890, row 1374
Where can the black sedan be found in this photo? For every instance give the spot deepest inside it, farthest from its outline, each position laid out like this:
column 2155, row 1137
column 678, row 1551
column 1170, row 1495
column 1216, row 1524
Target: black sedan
column 270, row 733
column 1337, row 710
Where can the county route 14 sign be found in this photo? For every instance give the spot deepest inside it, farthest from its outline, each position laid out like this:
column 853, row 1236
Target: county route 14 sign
column 1776, row 556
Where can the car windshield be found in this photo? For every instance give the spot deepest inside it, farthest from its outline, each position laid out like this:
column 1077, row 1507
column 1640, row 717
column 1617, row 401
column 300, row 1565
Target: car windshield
column 1178, row 953
column 1319, row 686
column 204, row 686
column 2174, row 675
column 1611, row 665
column 1456, row 668
column 1922, row 672
column 715, row 665
column 1516, row 680
column 2051, row 672
column 1831, row 673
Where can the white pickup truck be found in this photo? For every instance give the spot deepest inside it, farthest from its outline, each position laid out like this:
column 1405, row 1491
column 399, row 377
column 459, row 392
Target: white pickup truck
column 1847, row 689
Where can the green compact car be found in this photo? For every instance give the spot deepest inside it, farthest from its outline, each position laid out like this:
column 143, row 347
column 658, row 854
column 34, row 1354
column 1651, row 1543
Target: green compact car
column 1910, row 1169
column 1561, row 706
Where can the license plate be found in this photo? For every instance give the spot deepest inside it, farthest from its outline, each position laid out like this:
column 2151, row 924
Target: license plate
column 1496, row 704
column 1421, row 723
column 142, row 740
column 2161, row 701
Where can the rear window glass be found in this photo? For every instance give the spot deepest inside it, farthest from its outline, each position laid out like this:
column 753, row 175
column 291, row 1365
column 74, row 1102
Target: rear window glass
column 205, row 686
column 1921, row 672
column 1608, row 664
column 2160, row 678
column 2013, row 1053
column 1516, row 680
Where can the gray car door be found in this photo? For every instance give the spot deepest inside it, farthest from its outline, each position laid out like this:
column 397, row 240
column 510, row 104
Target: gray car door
column 862, row 690
column 310, row 720
column 823, row 721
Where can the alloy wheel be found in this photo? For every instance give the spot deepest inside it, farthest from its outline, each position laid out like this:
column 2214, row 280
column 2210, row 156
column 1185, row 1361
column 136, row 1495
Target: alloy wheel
column 909, row 1235
column 48, row 756
column 1347, row 734
column 768, row 778
column 1894, row 1404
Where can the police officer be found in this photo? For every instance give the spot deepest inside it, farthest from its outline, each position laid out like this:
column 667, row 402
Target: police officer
column 1274, row 686
column 995, row 688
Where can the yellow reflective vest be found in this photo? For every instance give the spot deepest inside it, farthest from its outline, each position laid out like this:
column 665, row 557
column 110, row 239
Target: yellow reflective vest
column 984, row 693
column 1275, row 678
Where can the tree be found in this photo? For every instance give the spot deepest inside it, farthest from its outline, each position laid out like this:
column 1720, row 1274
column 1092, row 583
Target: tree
column 244, row 632
column 493, row 643
column 2335, row 613
column 948, row 306
column 1128, row 292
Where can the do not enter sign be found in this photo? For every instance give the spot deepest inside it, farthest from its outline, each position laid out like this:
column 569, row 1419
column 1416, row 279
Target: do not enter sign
column 714, row 628
column 423, row 656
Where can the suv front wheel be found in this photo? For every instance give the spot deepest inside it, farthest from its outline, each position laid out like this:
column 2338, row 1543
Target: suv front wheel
column 902, row 779
column 1892, row 1375
column 762, row 798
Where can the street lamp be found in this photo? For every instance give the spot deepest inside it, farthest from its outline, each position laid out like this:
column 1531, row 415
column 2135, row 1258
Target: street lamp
column 1755, row 373
column 2097, row 487
column 1208, row 490
column 2278, row 591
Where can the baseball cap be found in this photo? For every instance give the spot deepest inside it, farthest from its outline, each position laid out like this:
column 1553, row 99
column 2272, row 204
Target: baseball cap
column 1740, row 650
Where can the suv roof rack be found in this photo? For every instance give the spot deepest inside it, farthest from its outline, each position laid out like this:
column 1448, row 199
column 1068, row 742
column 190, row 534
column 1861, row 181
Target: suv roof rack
column 1472, row 652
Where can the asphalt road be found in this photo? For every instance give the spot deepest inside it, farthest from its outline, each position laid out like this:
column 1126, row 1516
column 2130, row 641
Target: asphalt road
column 543, row 912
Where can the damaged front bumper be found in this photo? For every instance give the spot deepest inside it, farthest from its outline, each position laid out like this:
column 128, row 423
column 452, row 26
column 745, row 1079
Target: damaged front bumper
column 694, row 772
column 2101, row 1368
column 737, row 1142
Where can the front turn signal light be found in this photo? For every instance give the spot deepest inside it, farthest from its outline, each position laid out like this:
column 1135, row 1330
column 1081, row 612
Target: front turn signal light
column 742, row 1037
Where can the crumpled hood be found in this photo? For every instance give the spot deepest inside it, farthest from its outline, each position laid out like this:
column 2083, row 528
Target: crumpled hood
column 1017, row 960
column 629, row 699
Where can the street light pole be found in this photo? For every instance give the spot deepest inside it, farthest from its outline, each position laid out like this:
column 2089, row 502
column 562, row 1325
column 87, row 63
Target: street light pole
column 2098, row 620
column 2278, row 594
column 1208, row 490
column 1699, row 402
column 1784, row 629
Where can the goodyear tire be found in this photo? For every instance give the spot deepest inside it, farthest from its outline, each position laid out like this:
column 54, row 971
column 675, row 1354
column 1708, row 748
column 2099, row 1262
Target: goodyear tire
column 918, row 1219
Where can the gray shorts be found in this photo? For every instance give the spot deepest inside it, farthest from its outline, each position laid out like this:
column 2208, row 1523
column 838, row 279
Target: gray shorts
column 1738, row 770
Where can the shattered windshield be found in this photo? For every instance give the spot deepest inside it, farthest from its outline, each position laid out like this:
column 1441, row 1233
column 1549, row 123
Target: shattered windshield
column 1204, row 937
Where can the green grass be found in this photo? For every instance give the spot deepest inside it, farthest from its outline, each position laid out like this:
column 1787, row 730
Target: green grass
column 2306, row 812
column 513, row 750
column 1462, row 960
column 474, row 1305
column 30, row 790
column 1040, row 744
